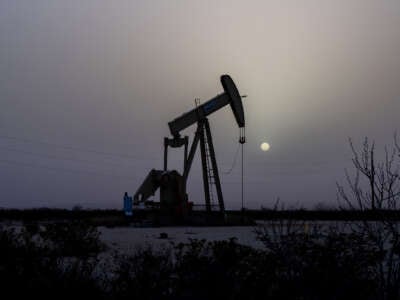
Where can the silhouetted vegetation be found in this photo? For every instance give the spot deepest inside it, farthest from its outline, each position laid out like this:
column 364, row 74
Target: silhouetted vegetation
column 375, row 187
column 298, row 261
column 48, row 262
column 63, row 257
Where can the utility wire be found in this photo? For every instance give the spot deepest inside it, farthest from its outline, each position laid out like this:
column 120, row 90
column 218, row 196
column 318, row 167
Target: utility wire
column 234, row 161
column 73, row 148
column 61, row 158
column 52, row 131
column 57, row 169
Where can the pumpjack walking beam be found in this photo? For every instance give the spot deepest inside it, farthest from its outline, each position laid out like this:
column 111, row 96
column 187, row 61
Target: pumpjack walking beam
column 231, row 96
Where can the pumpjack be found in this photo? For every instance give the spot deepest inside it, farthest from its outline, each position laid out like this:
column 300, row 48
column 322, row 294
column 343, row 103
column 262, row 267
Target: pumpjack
column 173, row 197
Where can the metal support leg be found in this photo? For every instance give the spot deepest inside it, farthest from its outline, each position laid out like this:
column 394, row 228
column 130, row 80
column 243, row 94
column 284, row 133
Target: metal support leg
column 205, row 170
column 191, row 154
column 215, row 167
column 185, row 153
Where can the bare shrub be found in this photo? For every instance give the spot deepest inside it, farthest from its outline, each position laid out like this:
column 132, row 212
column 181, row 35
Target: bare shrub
column 375, row 190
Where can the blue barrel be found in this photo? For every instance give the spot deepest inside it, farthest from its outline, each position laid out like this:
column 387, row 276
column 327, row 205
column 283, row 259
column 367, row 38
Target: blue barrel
column 127, row 205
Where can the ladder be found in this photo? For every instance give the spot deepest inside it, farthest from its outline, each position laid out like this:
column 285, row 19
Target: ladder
column 211, row 179
column 210, row 171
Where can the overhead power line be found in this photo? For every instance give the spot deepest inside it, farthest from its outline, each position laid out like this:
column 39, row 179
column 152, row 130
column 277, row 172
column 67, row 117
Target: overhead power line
column 56, row 157
column 58, row 169
column 74, row 148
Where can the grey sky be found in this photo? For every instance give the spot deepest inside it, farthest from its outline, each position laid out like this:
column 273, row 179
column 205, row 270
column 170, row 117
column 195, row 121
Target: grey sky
column 87, row 89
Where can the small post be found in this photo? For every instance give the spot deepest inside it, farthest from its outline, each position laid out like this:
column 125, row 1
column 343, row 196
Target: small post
column 165, row 153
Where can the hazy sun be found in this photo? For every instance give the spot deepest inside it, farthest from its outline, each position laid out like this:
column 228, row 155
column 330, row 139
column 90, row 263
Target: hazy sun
column 264, row 146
